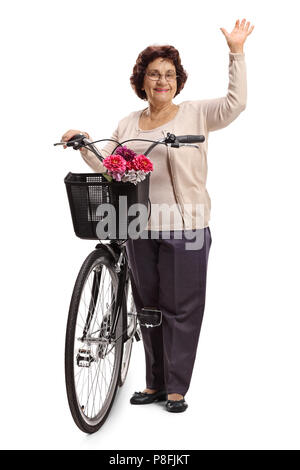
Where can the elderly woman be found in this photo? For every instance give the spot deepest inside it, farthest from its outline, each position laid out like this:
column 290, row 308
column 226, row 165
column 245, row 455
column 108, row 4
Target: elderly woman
column 165, row 274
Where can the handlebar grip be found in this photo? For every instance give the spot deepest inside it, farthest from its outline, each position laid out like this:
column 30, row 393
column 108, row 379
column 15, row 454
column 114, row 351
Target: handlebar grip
column 76, row 139
column 190, row 139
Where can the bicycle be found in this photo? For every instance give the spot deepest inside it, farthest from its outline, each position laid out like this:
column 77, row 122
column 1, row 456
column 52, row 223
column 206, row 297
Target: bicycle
column 102, row 321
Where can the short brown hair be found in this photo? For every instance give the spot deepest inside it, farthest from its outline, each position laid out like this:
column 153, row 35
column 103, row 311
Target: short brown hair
column 148, row 55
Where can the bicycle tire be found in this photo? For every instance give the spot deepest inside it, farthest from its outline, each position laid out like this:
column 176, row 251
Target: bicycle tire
column 98, row 259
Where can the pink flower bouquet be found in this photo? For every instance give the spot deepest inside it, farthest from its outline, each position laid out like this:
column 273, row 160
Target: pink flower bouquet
column 127, row 166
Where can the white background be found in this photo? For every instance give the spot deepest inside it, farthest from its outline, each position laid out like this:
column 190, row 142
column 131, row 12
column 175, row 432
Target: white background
column 66, row 64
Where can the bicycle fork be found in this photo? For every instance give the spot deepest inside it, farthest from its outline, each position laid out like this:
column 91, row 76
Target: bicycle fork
column 93, row 301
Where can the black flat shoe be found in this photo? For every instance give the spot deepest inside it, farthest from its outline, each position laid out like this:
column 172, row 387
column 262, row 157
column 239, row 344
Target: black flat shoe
column 141, row 398
column 176, row 406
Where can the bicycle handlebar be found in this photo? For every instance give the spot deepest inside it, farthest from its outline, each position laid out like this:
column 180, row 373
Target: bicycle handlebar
column 79, row 140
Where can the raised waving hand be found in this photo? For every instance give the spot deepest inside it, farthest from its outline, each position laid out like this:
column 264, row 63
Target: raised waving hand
column 238, row 35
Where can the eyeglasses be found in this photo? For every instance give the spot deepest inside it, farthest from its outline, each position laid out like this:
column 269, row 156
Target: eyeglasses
column 170, row 76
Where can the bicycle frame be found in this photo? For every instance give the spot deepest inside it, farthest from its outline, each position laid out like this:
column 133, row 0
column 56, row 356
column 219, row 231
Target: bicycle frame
column 122, row 269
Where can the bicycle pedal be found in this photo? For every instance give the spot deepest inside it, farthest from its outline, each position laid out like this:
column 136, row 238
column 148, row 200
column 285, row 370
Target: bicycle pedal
column 149, row 317
column 84, row 358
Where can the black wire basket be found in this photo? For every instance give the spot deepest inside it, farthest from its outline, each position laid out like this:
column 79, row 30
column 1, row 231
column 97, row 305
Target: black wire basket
column 97, row 209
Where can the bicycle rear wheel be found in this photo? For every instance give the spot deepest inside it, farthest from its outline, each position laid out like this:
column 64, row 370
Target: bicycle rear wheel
column 92, row 357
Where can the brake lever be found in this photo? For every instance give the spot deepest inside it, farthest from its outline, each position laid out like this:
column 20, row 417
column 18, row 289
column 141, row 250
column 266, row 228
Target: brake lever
column 179, row 144
column 189, row 145
column 172, row 141
column 76, row 142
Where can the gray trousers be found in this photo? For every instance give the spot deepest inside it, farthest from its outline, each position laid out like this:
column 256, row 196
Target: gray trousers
column 168, row 276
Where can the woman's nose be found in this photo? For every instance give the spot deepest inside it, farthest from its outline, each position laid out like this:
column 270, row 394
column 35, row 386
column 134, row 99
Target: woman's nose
column 162, row 81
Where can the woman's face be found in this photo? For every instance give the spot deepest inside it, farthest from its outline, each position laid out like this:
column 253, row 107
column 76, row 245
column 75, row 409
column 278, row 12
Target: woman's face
column 160, row 91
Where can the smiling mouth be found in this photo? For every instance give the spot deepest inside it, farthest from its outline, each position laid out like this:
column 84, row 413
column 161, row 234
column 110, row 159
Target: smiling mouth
column 160, row 90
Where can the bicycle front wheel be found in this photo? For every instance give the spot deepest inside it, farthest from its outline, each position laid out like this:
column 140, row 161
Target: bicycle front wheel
column 92, row 357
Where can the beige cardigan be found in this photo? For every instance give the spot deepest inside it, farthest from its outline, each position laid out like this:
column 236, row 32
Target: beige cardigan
column 189, row 165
